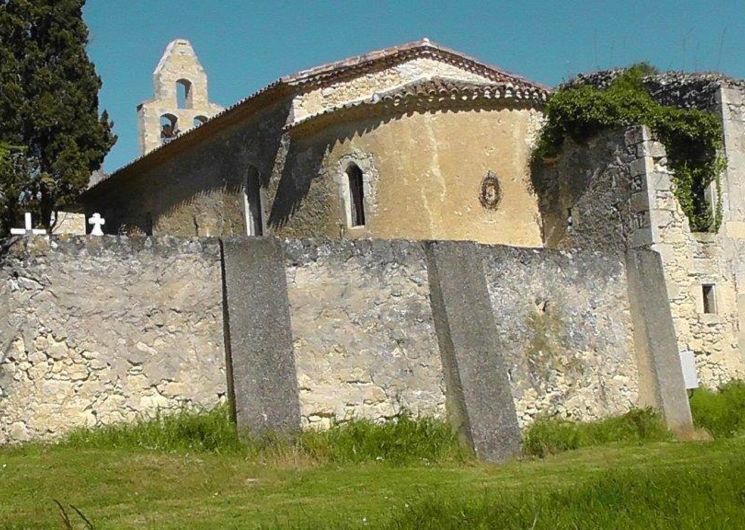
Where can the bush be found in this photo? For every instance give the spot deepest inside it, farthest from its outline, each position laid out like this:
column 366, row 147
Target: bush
column 550, row 436
column 694, row 496
column 692, row 138
column 721, row 413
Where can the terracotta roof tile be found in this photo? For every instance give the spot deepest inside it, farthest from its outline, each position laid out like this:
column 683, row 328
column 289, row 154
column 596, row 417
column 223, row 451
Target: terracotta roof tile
column 435, row 92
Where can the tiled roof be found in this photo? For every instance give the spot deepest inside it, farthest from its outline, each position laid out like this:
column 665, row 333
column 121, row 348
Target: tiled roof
column 332, row 72
column 320, row 76
column 434, row 92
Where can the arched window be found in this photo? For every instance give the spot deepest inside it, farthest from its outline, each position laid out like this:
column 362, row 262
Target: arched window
column 252, row 200
column 199, row 120
column 183, row 94
column 168, row 128
column 356, row 196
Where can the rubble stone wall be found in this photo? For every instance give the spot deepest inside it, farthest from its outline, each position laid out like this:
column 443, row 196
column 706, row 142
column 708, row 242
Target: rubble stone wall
column 96, row 331
column 565, row 330
column 364, row 339
column 616, row 193
column 104, row 330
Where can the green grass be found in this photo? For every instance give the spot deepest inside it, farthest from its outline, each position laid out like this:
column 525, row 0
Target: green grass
column 401, row 441
column 138, row 488
column 187, row 430
column 190, row 470
column 678, row 497
column 549, row 436
column 721, row 413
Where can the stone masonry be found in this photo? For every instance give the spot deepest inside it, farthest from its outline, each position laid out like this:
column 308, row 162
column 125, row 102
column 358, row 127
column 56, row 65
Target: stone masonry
column 178, row 66
column 103, row 330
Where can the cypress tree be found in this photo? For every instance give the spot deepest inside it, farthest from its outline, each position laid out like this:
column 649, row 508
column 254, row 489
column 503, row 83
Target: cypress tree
column 48, row 108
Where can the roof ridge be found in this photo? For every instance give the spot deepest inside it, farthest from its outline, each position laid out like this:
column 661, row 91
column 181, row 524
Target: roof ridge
column 327, row 70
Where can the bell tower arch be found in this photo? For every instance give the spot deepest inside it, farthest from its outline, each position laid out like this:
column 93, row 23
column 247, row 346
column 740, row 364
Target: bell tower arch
column 181, row 97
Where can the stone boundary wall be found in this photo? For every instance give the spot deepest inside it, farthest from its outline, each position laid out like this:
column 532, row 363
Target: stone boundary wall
column 564, row 322
column 363, row 333
column 102, row 330
column 96, row 331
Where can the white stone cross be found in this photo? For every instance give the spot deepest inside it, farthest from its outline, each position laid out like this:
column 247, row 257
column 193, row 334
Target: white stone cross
column 29, row 230
column 97, row 221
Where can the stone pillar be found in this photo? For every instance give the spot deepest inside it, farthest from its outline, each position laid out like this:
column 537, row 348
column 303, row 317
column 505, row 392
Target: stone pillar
column 262, row 381
column 661, row 377
column 479, row 397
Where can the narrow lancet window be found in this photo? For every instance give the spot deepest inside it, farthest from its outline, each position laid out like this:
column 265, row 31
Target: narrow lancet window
column 710, row 302
column 356, row 195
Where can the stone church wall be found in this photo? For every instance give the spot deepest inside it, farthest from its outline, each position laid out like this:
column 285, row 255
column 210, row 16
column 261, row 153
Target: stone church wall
column 197, row 192
column 424, row 173
column 361, row 87
column 103, row 330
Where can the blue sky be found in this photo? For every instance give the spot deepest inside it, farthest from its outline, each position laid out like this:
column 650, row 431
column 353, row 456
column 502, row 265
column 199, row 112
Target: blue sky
column 246, row 44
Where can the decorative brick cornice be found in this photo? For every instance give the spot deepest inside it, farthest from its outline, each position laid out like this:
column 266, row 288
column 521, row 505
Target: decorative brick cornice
column 427, row 95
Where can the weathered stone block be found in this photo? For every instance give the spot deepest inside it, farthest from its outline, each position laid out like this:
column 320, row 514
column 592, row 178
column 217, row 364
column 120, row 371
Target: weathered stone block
column 661, row 376
column 262, row 380
column 480, row 402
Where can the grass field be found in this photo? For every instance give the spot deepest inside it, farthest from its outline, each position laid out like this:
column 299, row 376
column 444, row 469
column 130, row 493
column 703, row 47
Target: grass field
column 137, row 489
column 189, row 472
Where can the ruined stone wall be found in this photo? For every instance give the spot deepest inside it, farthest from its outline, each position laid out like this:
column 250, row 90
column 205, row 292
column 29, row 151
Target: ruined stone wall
column 423, row 173
column 101, row 331
column 565, row 330
column 584, row 194
column 364, row 338
column 620, row 194
column 692, row 260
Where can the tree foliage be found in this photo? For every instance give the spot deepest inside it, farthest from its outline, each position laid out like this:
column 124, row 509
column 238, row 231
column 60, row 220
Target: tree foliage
column 48, row 108
column 692, row 138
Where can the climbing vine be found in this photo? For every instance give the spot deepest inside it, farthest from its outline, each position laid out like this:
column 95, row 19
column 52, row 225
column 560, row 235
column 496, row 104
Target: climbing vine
column 692, row 138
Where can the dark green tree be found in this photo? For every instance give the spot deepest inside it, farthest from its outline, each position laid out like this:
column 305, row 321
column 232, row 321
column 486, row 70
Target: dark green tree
column 48, row 108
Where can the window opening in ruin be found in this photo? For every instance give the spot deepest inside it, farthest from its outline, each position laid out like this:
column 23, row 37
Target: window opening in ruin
column 168, row 128
column 183, row 94
column 570, row 221
column 356, row 195
column 252, row 199
column 710, row 304
column 199, row 120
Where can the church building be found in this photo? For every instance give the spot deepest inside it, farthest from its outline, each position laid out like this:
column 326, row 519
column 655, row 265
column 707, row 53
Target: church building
column 415, row 141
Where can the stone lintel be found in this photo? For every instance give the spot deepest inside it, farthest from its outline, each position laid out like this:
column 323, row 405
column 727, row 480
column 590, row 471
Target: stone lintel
column 479, row 397
column 262, row 380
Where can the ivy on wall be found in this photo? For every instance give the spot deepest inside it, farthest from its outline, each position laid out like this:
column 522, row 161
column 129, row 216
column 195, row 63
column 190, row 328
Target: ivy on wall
column 692, row 137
